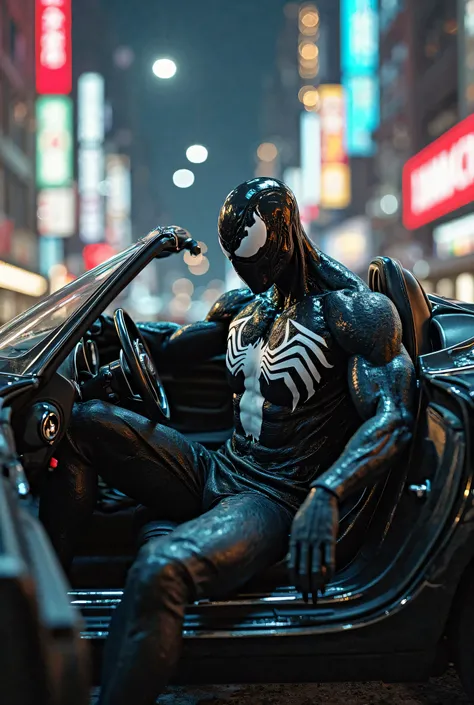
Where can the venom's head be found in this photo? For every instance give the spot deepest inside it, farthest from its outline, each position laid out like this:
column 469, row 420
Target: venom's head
column 259, row 228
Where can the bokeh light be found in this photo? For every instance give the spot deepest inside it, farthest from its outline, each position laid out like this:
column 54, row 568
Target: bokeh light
column 192, row 260
column 183, row 178
column 180, row 304
column 309, row 51
column 389, row 204
column 123, row 57
column 310, row 98
column 267, row 152
column 183, row 286
column 310, row 18
column 164, row 68
column 197, row 154
column 201, row 268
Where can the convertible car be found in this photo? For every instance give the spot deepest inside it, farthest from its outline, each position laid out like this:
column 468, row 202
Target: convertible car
column 401, row 606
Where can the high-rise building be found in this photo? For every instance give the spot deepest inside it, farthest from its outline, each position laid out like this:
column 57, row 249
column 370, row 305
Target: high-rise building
column 396, row 134
column 18, row 241
column 438, row 185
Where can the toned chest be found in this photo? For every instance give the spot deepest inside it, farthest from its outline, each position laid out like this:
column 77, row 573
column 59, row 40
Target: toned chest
column 279, row 357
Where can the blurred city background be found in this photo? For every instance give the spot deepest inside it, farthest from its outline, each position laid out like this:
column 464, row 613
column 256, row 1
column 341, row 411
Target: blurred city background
column 118, row 116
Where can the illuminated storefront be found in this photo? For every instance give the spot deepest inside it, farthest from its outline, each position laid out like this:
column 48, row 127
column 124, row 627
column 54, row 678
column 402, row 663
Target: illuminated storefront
column 438, row 192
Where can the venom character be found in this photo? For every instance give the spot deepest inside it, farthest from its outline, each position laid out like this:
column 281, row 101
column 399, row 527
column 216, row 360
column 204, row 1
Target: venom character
column 323, row 395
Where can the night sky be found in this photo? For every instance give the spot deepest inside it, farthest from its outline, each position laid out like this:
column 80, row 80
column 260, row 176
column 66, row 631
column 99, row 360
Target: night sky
column 224, row 49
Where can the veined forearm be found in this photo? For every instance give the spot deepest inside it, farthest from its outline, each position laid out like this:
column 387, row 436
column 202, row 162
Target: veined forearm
column 368, row 454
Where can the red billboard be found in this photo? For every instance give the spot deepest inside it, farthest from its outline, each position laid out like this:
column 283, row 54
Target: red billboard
column 440, row 178
column 53, row 47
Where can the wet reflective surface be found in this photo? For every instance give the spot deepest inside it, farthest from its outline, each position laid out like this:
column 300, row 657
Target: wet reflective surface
column 439, row 691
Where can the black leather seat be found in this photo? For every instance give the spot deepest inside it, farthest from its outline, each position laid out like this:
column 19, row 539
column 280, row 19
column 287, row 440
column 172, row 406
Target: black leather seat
column 387, row 276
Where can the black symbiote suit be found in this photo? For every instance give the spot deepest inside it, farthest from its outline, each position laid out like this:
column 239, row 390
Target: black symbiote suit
column 323, row 392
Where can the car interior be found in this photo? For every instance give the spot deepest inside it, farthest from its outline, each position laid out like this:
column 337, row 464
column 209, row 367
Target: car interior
column 387, row 532
column 201, row 408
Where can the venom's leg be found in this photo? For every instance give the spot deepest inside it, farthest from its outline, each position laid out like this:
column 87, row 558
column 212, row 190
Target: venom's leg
column 151, row 463
column 206, row 557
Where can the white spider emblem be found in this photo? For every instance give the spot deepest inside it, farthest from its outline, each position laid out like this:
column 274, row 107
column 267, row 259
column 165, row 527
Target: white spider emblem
column 293, row 355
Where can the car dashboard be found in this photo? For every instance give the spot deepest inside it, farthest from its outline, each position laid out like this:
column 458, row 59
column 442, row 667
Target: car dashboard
column 40, row 420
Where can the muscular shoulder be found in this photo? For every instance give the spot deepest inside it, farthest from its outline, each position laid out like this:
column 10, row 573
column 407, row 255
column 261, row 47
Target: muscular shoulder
column 230, row 304
column 365, row 323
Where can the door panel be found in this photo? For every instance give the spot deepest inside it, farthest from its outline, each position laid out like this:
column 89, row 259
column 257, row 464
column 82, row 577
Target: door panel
column 45, row 662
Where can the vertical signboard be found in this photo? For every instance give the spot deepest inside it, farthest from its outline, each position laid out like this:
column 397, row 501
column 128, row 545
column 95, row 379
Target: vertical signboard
column 53, row 47
column 359, row 37
column 91, row 168
column 363, row 114
column 335, row 173
column 359, row 61
column 90, row 108
column 54, row 157
column 119, row 201
column 310, row 131
column 56, row 212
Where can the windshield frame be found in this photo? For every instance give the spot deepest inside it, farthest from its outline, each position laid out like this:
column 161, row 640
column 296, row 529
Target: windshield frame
column 21, row 337
column 54, row 349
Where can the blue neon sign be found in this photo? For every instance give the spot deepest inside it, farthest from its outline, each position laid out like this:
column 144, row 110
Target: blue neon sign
column 362, row 114
column 359, row 62
column 359, row 36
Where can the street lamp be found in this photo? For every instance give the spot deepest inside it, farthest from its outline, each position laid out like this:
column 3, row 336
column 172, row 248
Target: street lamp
column 197, row 154
column 164, row 68
column 183, row 178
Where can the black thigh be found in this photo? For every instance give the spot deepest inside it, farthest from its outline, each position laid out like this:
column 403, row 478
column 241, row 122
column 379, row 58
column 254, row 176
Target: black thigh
column 149, row 462
column 225, row 547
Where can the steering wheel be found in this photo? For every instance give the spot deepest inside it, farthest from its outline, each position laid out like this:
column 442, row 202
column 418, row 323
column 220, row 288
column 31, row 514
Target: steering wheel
column 139, row 364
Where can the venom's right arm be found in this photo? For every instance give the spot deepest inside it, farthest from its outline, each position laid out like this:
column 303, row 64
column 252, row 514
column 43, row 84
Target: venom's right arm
column 172, row 345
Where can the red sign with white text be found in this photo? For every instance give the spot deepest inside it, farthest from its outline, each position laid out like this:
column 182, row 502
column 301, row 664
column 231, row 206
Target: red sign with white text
column 53, row 47
column 440, row 178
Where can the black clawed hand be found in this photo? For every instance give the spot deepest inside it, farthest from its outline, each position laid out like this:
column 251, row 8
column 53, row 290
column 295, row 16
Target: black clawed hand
column 311, row 559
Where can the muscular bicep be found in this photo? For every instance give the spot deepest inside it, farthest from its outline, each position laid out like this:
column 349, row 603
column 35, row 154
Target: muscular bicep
column 382, row 386
column 388, row 388
column 384, row 398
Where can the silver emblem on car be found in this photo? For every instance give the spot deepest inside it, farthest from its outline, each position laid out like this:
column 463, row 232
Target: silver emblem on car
column 50, row 426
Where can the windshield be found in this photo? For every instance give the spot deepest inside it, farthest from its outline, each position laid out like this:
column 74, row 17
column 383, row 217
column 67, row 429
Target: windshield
column 23, row 333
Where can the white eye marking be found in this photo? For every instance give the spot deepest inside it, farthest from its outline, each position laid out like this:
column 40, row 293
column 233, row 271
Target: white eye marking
column 254, row 240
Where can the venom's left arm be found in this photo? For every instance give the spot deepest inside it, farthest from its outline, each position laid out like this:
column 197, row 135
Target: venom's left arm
column 382, row 385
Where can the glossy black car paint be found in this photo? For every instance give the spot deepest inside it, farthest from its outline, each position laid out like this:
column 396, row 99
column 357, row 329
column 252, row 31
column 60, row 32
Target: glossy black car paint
column 387, row 612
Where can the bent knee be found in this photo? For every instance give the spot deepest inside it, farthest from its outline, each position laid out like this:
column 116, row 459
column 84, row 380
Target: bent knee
column 92, row 419
column 159, row 580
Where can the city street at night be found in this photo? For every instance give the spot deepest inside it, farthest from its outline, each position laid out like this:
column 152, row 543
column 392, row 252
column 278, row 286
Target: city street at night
column 236, row 352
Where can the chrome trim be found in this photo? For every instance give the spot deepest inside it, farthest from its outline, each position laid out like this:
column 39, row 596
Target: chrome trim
column 44, row 431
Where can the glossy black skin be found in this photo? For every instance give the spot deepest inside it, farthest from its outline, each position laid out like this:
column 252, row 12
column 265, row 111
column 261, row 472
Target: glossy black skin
column 364, row 330
column 364, row 325
column 363, row 335
column 375, row 603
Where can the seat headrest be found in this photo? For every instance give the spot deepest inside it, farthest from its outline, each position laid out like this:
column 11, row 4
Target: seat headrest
column 387, row 276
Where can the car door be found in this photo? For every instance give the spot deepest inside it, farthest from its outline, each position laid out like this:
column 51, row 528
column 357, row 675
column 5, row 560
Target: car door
column 43, row 660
